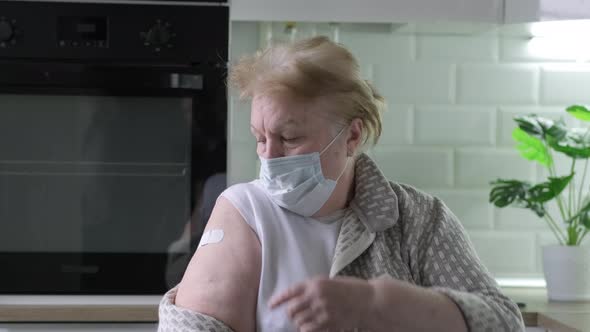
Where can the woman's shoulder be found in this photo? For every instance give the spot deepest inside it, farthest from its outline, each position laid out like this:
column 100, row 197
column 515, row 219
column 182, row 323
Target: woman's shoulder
column 244, row 190
column 412, row 197
column 420, row 210
column 248, row 198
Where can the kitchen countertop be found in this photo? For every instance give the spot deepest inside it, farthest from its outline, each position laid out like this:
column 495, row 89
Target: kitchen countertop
column 556, row 316
column 552, row 315
column 79, row 308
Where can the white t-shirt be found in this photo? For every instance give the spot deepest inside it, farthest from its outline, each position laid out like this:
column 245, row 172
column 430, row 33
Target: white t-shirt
column 294, row 248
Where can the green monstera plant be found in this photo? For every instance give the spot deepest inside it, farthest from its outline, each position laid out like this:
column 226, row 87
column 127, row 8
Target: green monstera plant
column 538, row 139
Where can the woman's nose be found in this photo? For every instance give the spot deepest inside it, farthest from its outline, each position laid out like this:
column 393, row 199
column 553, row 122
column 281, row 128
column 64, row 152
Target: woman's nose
column 273, row 149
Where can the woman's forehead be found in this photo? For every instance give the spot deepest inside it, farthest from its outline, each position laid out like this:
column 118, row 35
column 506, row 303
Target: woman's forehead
column 278, row 112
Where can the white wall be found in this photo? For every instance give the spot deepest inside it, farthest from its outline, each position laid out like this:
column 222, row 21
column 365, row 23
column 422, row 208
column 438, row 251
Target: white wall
column 452, row 93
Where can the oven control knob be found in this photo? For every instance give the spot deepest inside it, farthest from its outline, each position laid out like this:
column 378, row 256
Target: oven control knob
column 159, row 36
column 6, row 31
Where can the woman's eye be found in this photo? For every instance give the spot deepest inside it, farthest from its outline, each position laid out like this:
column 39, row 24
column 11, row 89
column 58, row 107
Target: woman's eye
column 289, row 139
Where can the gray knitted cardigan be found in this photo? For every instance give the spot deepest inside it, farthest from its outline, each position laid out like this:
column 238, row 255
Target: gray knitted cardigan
column 411, row 236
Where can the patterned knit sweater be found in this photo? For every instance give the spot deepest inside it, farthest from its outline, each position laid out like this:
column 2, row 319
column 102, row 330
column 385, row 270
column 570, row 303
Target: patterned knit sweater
column 407, row 234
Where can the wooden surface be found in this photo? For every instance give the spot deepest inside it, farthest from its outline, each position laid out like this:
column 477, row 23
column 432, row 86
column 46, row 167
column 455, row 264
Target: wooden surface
column 553, row 315
column 79, row 313
column 557, row 316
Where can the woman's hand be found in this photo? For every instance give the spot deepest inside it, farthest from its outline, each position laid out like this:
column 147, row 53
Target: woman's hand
column 321, row 303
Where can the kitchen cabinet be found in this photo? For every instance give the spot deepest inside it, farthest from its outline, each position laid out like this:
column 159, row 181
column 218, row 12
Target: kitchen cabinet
column 518, row 11
column 377, row 11
column 131, row 327
column 389, row 11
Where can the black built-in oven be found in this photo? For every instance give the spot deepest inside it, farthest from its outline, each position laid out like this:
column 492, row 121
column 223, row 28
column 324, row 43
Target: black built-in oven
column 112, row 142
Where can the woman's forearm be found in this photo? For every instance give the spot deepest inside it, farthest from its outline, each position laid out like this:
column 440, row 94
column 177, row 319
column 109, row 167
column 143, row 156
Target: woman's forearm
column 398, row 305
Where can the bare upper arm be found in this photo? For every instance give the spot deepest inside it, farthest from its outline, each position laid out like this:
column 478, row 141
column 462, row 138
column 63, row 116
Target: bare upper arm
column 222, row 279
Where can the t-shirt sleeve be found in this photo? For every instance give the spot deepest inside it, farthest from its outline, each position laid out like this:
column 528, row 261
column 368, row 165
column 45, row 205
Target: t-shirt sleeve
column 242, row 197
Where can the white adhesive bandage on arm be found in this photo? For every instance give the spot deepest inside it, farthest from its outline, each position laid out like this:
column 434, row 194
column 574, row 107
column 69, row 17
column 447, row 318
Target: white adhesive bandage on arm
column 211, row 236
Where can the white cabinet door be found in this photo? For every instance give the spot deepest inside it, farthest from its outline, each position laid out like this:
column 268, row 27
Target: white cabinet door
column 132, row 327
column 385, row 11
column 546, row 10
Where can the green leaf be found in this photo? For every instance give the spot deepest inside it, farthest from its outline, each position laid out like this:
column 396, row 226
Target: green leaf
column 546, row 191
column 585, row 220
column 505, row 192
column 531, row 148
column 515, row 193
column 579, row 112
column 557, row 130
column 576, row 143
column 539, row 127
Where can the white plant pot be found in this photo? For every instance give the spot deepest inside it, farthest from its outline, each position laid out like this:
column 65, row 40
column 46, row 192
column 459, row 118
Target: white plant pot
column 567, row 272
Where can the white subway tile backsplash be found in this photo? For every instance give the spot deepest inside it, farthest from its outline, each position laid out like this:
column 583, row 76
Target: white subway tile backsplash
column 565, row 84
column 456, row 48
column 522, row 49
column 243, row 39
column 242, row 162
column 462, row 125
column 413, row 83
column 515, row 50
column 513, row 218
column 239, row 121
column 421, row 167
column 456, row 28
column 242, row 157
column 563, row 166
column 470, row 206
column 497, row 84
column 505, row 252
column 397, row 125
column 476, row 168
column 377, row 46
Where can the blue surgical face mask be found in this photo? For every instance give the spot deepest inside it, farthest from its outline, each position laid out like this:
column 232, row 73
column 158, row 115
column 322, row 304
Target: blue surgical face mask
column 297, row 183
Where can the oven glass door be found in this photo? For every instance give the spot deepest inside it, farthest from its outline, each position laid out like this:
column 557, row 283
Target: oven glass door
column 98, row 189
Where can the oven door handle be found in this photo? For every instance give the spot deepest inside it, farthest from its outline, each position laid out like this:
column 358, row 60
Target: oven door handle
column 186, row 81
column 142, row 80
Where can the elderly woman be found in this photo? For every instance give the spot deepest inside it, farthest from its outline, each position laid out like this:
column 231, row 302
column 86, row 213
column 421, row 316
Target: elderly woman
column 322, row 240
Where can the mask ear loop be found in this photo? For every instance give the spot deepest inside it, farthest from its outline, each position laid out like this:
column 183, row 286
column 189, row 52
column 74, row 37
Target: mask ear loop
column 333, row 140
column 347, row 152
column 344, row 169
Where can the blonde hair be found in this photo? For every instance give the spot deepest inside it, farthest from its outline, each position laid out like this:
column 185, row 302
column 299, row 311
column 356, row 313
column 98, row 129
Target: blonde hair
column 309, row 69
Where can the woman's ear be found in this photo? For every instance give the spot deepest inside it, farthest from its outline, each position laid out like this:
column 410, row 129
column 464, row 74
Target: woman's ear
column 355, row 136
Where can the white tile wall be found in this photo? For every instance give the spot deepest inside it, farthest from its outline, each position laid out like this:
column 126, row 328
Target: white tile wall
column 458, row 125
column 453, row 92
column 476, row 167
column 422, row 167
column 518, row 49
column 470, row 206
column 506, row 253
column 363, row 40
column 498, row 83
column 453, row 47
column 242, row 148
column 405, row 82
column 565, row 84
column 399, row 121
